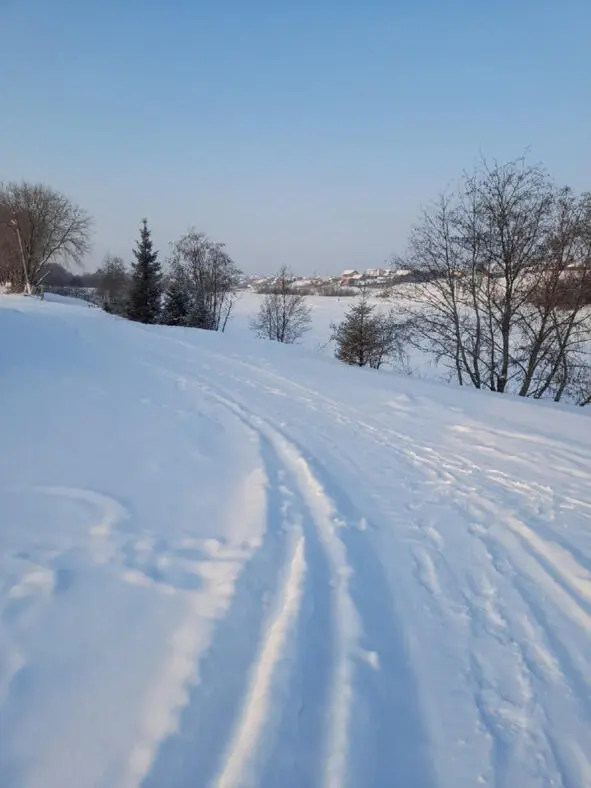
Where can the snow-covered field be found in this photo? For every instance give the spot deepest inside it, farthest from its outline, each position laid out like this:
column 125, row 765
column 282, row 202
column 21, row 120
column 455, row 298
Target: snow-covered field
column 325, row 310
column 230, row 563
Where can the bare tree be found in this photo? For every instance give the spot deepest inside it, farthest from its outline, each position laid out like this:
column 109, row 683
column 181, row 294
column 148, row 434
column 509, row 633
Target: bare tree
column 211, row 278
column 491, row 264
column 555, row 327
column 113, row 285
column 367, row 337
column 447, row 276
column 582, row 383
column 39, row 226
column 284, row 315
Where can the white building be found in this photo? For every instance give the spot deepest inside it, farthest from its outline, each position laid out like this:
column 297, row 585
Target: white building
column 348, row 276
column 376, row 273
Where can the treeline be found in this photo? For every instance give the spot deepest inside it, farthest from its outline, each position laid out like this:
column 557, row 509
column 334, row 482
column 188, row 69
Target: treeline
column 326, row 290
column 501, row 292
column 498, row 275
column 198, row 290
column 39, row 227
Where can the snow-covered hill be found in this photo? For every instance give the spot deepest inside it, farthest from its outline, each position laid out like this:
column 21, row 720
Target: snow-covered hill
column 230, row 563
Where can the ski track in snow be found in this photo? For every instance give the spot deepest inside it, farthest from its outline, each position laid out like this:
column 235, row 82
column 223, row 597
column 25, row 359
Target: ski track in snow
column 325, row 520
column 511, row 719
column 240, row 764
column 314, row 521
column 310, row 655
column 244, row 743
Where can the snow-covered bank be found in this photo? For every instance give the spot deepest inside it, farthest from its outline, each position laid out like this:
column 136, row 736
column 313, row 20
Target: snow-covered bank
column 230, row 563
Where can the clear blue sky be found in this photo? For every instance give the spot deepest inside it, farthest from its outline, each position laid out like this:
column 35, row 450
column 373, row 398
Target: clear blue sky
column 301, row 132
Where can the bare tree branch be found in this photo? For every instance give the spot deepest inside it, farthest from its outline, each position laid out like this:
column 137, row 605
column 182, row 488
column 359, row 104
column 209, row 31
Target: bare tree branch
column 210, row 277
column 504, row 276
column 284, row 315
column 41, row 226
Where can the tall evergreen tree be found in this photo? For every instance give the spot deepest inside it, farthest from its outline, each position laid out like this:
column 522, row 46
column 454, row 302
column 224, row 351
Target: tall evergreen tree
column 177, row 303
column 146, row 283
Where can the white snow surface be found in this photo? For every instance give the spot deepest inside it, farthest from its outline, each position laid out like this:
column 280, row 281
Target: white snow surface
column 225, row 562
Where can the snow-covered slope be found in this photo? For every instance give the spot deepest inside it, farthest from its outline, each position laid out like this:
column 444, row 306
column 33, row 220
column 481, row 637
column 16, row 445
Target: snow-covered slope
column 230, row 563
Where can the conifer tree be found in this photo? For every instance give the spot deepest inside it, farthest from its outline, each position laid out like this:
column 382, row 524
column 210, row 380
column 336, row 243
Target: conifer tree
column 177, row 303
column 367, row 337
column 146, row 284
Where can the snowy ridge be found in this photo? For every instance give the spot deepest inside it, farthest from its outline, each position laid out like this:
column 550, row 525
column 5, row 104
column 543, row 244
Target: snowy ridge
column 226, row 563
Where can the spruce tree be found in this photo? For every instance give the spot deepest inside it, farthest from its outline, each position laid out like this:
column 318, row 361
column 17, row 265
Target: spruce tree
column 177, row 303
column 366, row 338
column 146, row 282
column 355, row 336
column 200, row 315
